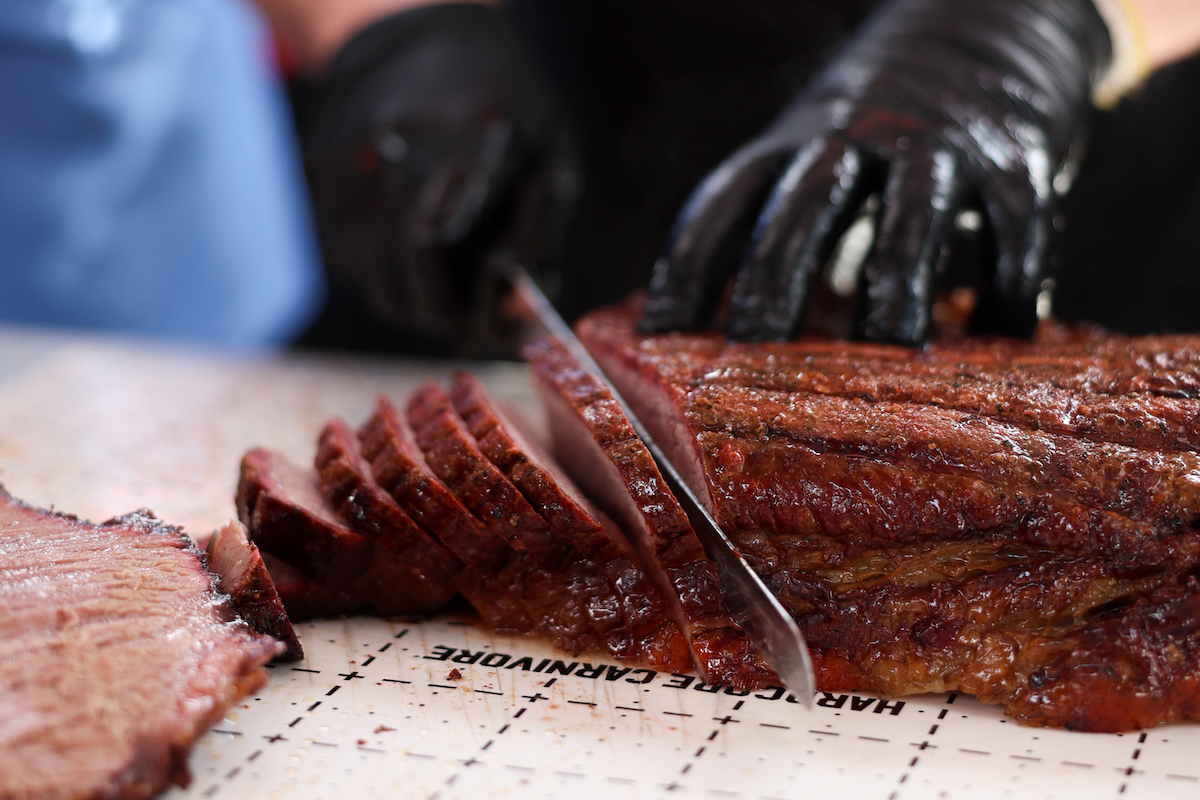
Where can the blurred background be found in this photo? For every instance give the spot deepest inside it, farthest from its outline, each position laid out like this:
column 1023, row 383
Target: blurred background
column 344, row 176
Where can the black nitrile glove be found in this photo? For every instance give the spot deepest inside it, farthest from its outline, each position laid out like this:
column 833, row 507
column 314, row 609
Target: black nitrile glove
column 936, row 105
column 433, row 142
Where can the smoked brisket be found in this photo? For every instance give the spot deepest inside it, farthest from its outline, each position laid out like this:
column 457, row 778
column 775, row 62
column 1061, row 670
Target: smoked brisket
column 635, row 601
column 576, row 605
column 381, row 568
column 117, row 650
column 246, row 579
column 410, row 571
column 595, row 443
column 454, row 456
column 1013, row 520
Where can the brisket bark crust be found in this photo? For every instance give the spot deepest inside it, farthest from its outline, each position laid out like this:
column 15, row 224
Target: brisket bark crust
column 116, row 652
column 630, row 599
column 246, row 579
column 1013, row 520
column 595, row 443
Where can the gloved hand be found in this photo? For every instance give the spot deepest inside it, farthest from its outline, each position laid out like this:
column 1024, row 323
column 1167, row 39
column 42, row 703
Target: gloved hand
column 937, row 105
column 432, row 142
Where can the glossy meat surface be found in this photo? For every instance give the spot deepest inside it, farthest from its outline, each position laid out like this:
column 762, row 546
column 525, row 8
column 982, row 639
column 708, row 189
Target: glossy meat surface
column 1014, row 520
column 596, row 444
column 576, row 603
column 282, row 507
column 116, row 653
column 634, row 608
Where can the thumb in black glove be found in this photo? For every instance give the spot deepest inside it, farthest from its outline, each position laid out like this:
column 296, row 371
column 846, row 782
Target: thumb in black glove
column 934, row 104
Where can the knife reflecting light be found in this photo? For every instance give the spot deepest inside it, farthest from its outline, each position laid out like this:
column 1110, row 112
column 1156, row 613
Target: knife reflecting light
column 750, row 603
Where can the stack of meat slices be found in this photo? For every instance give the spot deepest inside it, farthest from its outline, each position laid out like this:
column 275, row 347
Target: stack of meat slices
column 1016, row 520
column 453, row 496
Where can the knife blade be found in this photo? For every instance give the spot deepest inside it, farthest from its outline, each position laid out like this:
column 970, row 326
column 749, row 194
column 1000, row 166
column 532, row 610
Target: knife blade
column 750, row 603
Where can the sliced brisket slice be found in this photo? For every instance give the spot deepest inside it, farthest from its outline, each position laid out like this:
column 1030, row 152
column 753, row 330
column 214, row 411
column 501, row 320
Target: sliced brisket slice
column 492, row 579
column 305, row 597
column 596, row 445
column 281, row 504
column 637, row 605
column 453, row 455
column 300, row 520
column 116, row 652
column 399, row 467
column 522, row 461
column 568, row 606
column 245, row 578
column 410, row 571
column 557, row 595
column 927, row 542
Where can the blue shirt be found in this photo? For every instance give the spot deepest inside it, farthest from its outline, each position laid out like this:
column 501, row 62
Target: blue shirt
column 149, row 181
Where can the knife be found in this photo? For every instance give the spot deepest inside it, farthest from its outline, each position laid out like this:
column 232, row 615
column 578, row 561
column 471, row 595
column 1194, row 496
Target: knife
column 751, row 604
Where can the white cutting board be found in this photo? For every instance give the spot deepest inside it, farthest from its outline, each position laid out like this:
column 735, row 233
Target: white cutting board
column 99, row 426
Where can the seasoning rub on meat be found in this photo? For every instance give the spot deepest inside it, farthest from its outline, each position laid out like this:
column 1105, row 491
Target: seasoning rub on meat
column 1015, row 520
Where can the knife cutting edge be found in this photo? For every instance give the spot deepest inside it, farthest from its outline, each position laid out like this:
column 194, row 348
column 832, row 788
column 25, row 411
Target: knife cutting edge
column 751, row 604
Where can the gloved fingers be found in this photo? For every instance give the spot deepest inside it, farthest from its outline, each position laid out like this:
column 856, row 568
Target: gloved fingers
column 1020, row 221
column 1020, row 227
column 702, row 249
column 924, row 192
column 794, row 236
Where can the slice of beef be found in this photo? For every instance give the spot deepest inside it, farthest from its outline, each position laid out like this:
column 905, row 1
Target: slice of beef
column 926, row 542
column 532, row 471
column 637, row 606
column 399, row 467
column 597, row 446
column 453, row 455
column 385, row 578
column 410, row 571
column 245, row 578
column 567, row 606
column 117, row 651
column 557, row 595
column 281, row 504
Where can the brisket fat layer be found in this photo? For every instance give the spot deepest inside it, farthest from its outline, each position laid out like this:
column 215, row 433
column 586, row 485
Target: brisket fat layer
column 1013, row 520
column 116, row 652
